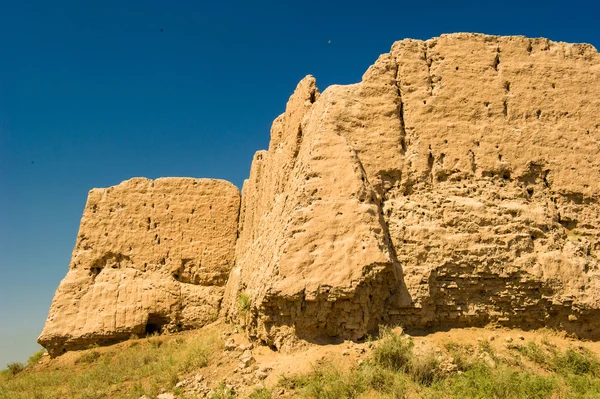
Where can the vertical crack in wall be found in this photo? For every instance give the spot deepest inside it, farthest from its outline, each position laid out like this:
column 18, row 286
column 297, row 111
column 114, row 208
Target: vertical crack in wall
column 505, row 101
column 496, row 61
column 429, row 62
column 312, row 96
column 397, row 82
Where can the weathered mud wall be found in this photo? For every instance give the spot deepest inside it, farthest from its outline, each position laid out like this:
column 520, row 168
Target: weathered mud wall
column 150, row 256
column 456, row 185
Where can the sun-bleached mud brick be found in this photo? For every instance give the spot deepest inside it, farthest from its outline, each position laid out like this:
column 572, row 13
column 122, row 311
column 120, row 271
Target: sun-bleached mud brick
column 457, row 184
column 150, row 256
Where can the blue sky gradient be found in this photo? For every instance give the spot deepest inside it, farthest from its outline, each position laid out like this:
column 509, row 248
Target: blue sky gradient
column 96, row 92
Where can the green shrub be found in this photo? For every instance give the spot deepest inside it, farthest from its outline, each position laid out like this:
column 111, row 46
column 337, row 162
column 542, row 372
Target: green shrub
column 581, row 362
column 572, row 361
column 502, row 382
column 463, row 355
column 582, row 386
column 198, row 358
column 329, row 383
column 485, row 346
column 222, row 392
column 15, row 368
column 244, row 302
column 382, row 380
column 35, row 358
column 154, row 340
column 395, row 352
column 535, row 353
column 424, row 369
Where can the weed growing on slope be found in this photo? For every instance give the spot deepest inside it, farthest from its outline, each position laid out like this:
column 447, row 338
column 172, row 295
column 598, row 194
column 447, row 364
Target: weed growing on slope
column 502, row 382
column 462, row 355
column 578, row 362
column 15, row 368
column 262, row 393
column 36, row 357
column 396, row 353
column 243, row 302
column 223, row 392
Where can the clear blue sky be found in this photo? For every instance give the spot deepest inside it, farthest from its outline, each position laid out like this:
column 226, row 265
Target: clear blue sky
column 96, row 92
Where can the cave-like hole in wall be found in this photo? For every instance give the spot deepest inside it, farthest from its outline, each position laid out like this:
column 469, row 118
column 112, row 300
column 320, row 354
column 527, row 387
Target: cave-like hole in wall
column 155, row 324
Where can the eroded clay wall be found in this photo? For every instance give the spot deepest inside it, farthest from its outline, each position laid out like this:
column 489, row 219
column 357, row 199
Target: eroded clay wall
column 456, row 185
column 150, row 256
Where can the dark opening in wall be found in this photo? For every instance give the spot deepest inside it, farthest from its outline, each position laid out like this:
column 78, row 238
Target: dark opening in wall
column 94, row 271
column 155, row 324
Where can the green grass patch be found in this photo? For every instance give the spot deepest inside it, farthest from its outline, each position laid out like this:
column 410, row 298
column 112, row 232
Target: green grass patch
column 329, row 383
column 396, row 352
column 223, row 392
column 501, row 382
column 130, row 370
column 578, row 362
column 397, row 370
column 243, row 302
column 36, row 357
column 463, row 355
column 262, row 393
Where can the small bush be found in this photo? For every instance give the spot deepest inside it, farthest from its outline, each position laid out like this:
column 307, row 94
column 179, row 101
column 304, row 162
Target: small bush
column 198, row 358
column 581, row 362
column 222, row 392
column 153, row 334
column 463, row 355
column 395, row 352
column 382, row 380
column 424, row 369
column 15, row 368
column 582, row 386
column 155, row 340
column 535, row 353
column 330, row 383
column 502, row 382
column 327, row 382
column 546, row 341
column 486, row 347
column 35, row 358
column 244, row 302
